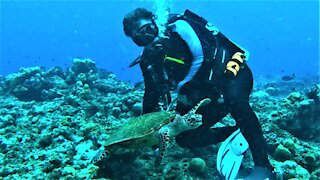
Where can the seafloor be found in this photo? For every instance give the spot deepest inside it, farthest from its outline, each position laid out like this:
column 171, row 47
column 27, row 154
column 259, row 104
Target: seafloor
column 52, row 121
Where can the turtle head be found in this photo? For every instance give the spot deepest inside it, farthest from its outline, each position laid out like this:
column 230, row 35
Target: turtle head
column 186, row 122
column 194, row 120
column 191, row 120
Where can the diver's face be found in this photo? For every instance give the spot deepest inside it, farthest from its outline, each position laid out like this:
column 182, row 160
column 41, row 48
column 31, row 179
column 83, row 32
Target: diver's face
column 145, row 33
column 144, row 22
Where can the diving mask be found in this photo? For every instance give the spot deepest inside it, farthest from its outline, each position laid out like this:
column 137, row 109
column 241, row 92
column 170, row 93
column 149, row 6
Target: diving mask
column 146, row 34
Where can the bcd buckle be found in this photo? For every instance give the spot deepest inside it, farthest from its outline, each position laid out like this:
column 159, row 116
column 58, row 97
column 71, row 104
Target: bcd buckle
column 233, row 66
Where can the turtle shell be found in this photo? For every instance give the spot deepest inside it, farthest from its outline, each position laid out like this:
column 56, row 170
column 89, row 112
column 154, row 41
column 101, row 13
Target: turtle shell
column 141, row 130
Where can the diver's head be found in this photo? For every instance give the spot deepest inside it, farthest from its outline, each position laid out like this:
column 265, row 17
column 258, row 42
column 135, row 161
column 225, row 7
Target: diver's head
column 140, row 26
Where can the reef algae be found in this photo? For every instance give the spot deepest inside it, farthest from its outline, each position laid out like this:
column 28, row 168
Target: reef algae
column 53, row 120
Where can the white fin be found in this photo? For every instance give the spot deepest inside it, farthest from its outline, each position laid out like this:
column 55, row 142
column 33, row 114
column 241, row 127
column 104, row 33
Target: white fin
column 230, row 155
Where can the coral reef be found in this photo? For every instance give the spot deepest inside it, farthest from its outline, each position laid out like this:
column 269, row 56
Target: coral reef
column 52, row 121
column 293, row 171
column 300, row 116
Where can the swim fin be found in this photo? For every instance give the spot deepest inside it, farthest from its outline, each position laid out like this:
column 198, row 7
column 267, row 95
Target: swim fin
column 230, row 155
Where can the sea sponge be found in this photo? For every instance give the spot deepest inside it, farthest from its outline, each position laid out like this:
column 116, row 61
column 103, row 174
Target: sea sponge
column 282, row 153
column 309, row 159
column 45, row 141
column 198, row 165
column 290, row 144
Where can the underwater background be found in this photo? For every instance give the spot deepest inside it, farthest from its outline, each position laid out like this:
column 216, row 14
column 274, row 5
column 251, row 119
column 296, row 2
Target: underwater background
column 65, row 87
column 282, row 36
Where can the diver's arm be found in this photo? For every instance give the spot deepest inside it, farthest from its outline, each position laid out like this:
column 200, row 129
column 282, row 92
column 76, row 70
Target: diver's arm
column 151, row 95
column 187, row 33
column 152, row 71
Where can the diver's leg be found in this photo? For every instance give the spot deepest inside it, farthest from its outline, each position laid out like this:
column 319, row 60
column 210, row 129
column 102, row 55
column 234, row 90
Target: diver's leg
column 236, row 93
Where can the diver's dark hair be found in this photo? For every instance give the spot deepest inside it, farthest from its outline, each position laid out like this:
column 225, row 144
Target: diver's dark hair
column 131, row 20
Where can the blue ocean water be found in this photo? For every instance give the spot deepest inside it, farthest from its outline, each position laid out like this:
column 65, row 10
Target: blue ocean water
column 282, row 36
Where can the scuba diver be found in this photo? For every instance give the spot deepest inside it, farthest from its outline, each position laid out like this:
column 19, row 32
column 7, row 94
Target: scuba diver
column 197, row 61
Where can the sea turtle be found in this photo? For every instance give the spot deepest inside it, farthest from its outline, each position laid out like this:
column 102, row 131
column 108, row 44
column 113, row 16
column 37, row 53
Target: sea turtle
column 151, row 129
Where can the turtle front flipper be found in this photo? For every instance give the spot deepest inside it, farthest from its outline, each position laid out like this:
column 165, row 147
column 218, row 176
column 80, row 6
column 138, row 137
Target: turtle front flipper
column 165, row 137
column 203, row 102
column 101, row 154
column 164, row 142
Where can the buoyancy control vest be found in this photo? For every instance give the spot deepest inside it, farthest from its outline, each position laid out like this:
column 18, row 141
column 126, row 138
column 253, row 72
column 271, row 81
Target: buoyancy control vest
column 217, row 48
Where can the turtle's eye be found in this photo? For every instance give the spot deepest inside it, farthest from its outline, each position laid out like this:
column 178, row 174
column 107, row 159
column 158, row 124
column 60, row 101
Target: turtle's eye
column 191, row 121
